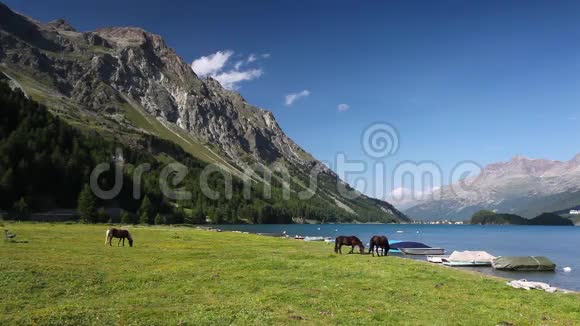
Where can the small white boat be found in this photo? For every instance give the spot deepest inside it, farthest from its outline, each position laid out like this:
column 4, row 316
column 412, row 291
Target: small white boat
column 469, row 258
column 466, row 263
column 437, row 259
column 313, row 239
column 417, row 248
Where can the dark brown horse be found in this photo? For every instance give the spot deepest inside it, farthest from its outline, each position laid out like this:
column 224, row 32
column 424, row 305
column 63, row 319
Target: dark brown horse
column 379, row 242
column 117, row 233
column 348, row 241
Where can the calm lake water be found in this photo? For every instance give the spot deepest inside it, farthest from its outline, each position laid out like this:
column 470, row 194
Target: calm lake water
column 559, row 243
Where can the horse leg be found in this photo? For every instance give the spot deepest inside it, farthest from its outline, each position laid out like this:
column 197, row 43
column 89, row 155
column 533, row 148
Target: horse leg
column 119, row 243
column 123, row 241
column 351, row 249
column 340, row 248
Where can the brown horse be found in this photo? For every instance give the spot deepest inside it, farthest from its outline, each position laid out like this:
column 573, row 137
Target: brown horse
column 379, row 242
column 348, row 241
column 117, row 233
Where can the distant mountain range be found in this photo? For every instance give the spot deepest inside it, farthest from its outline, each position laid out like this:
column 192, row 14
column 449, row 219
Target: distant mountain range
column 127, row 84
column 522, row 186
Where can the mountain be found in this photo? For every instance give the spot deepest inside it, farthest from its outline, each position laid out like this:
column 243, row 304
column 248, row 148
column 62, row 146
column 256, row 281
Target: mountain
column 522, row 186
column 127, row 84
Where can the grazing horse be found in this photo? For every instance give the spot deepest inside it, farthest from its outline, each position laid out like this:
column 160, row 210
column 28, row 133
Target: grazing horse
column 117, row 233
column 348, row 241
column 379, row 242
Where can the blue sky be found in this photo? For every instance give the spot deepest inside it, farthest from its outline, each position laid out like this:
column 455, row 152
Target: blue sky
column 459, row 80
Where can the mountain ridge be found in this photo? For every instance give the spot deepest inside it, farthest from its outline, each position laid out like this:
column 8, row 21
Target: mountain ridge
column 522, row 186
column 126, row 81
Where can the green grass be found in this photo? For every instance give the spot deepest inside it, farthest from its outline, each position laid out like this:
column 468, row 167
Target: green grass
column 65, row 274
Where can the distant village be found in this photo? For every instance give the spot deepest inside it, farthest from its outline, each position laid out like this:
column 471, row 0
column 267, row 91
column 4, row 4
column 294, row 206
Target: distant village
column 440, row 222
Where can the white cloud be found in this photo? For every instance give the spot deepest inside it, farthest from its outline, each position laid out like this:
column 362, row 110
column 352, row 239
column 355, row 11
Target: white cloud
column 291, row 98
column 343, row 107
column 229, row 75
column 230, row 79
column 211, row 64
column 266, row 55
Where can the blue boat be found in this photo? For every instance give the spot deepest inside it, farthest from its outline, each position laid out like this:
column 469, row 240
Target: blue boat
column 391, row 243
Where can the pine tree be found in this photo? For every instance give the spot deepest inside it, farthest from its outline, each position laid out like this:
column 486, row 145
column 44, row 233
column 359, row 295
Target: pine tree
column 21, row 208
column 87, row 205
column 102, row 215
column 126, row 218
column 146, row 211
column 7, row 179
column 159, row 219
column 199, row 216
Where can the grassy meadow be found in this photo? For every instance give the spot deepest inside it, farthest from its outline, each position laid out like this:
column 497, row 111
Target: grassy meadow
column 64, row 274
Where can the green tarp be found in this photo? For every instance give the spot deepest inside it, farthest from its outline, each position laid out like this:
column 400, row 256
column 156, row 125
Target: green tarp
column 527, row 263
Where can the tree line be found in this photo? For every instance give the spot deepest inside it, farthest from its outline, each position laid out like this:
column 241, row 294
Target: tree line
column 45, row 164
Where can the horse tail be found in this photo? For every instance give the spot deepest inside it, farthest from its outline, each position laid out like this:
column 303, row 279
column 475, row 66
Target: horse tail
column 107, row 236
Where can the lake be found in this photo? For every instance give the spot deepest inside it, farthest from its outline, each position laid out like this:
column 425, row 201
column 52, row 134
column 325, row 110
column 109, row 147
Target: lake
column 559, row 243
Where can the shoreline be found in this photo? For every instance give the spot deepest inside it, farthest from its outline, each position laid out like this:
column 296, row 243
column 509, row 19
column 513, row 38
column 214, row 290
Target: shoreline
column 403, row 256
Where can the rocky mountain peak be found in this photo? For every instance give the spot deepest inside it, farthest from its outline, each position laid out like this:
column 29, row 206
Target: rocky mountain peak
column 61, row 25
column 131, row 36
column 519, row 165
column 520, row 158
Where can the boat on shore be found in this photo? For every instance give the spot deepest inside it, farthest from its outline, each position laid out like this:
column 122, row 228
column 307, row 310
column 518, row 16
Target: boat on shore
column 307, row 238
column 525, row 263
column 417, row 248
column 437, row 259
column 423, row 251
column 468, row 258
